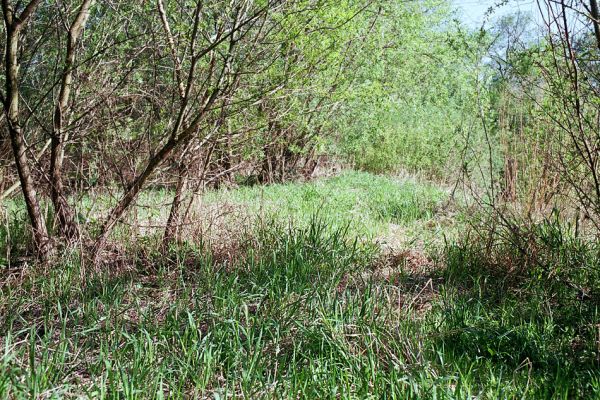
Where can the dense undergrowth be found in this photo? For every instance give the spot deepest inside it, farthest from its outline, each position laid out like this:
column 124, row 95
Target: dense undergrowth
column 525, row 313
column 311, row 309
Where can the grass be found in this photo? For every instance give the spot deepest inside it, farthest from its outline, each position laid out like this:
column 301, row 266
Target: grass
column 367, row 204
column 359, row 198
column 311, row 310
column 532, row 315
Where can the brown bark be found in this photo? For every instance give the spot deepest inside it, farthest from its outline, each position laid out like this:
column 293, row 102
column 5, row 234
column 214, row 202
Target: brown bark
column 171, row 233
column 14, row 24
column 172, row 225
column 595, row 20
column 63, row 211
column 510, row 179
column 6, row 193
column 130, row 195
column 182, row 132
column 172, row 47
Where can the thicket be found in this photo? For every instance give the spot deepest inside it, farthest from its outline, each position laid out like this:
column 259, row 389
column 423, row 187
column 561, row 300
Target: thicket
column 114, row 99
column 105, row 101
column 540, row 115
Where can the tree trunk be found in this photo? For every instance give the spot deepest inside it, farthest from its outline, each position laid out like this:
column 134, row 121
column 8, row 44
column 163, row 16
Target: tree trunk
column 173, row 222
column 510, row 179
column 130, row 195
column 64, row 212
column 595, row 20
column 134, row 189
column 40, row 234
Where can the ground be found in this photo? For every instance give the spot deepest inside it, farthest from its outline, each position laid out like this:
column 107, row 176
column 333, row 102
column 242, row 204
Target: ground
column 354, row 286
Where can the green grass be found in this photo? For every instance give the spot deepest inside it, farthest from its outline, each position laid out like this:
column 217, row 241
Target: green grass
column 364, row 202
column 312, row 310
column 367, row 203
column 349, row 196
column 526, row 307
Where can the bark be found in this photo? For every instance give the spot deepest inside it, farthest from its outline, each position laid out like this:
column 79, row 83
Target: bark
column 172, row 225
column 510, row 179
column 6, row 193
column 13, row 24
column 179, row 136
column 130, row 195
column 172, row 47
column 595, row 20
column 64, row 212
column 171, row 233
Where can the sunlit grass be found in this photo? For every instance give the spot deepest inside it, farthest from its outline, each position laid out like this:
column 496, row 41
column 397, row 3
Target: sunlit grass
column 365, row 202
column 311, row 310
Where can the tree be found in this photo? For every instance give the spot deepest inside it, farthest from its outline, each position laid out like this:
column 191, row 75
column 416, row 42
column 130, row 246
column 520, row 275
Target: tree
column 14, row 23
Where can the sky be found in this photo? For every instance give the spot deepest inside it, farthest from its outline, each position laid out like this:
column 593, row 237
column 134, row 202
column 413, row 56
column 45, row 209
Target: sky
column 473, row 11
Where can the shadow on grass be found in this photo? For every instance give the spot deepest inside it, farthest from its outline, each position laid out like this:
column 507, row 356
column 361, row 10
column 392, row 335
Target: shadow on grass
column 535, row 310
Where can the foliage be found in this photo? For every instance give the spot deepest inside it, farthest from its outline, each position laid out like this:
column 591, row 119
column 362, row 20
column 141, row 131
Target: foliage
column 145, row 284
column 410, row 102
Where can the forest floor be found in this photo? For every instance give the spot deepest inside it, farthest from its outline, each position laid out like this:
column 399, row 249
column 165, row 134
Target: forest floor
column 353, row 286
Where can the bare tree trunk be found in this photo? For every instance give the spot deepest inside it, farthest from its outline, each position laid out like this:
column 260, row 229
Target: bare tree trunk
column 130, row 195
column 595, row 20
column 182, row 132
column 172, row 225
column 132, row 192
column 174, row 221
column 228, row 155
column 510, row 179
column 13, row 26
column 16, row 185
column 64, row 212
